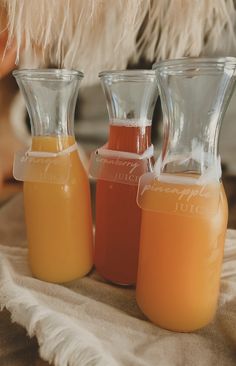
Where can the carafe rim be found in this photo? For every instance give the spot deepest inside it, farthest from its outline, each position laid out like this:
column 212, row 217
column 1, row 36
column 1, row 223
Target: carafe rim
column 53, row 74
column 184, row 63
column 140, row 74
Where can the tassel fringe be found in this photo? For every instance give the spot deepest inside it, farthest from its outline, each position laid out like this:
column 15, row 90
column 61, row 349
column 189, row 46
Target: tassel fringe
column 61, row 340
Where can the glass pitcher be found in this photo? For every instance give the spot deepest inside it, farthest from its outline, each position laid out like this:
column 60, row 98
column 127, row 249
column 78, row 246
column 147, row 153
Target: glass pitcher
column 117, row 166
column 184, row 207
column 56, row 187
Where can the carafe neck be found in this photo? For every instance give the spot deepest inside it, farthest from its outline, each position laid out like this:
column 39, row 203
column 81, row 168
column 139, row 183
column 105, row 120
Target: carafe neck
column 130, row 97
column 194, row 95
column 50, row 96
column 130, row 139
column 52, row 143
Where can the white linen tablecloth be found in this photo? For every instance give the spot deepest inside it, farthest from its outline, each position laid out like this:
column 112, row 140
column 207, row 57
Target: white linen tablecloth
column 89, row 322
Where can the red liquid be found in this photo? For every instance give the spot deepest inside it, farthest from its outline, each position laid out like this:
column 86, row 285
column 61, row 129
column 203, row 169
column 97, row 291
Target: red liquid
column 117, row 214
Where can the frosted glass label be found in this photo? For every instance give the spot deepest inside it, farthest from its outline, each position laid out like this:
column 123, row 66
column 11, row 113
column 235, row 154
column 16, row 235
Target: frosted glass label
column 43, row 167
column 178, row 198
column 120, row 167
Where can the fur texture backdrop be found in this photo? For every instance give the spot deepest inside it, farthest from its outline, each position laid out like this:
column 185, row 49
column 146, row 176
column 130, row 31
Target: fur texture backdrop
column 92, row 35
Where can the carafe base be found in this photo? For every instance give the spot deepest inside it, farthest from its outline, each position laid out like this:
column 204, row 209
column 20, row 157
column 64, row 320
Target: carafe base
column 115, row 282
column 60, row 279
column 178, row 329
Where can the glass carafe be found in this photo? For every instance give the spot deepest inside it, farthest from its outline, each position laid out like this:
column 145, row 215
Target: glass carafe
column 130, row 97
column 184, row 207
column 56, row 187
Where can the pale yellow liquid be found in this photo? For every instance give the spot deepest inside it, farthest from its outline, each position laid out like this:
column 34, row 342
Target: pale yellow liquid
column 58, row 219
column 180, row 262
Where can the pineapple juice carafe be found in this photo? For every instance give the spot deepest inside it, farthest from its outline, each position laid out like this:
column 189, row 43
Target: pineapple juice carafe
column 184, row 207
column 56, row 187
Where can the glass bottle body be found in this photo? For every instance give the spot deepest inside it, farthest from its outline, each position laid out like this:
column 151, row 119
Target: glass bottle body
column 58, row 214
column 180, row 265
column 117, row 214
column 184, row 207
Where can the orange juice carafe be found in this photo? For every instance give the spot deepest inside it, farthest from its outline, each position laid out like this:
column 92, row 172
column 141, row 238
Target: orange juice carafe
column 130, row 97
column 184, row 207
column 56, row 187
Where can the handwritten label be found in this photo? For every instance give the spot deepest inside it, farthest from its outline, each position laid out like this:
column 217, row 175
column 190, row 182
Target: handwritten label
column 40, row 160
column 132, row 165
column 119, row 170
column 54, row 170
column 186, row 193
column 184, row 199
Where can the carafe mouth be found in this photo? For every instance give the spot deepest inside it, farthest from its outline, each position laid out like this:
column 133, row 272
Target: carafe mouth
column 131, row 75
column 48, row 74
column 195, row 64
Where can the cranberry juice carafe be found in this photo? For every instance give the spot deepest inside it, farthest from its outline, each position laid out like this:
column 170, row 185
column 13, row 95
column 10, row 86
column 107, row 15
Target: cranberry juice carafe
column 56, row 187
column 130, row 97
column 184, row 208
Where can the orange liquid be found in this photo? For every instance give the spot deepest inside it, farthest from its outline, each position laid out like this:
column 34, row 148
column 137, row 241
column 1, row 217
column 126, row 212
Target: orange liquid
column 117, row 214
column 180, row 262
column 58, row 219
